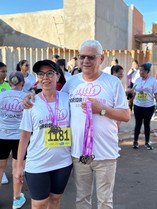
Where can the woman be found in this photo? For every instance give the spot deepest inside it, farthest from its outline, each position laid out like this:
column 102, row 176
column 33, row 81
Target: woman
column 117, row 71
column 10, row 117
column 30, row 79
column 48, row 160
column 145, row 88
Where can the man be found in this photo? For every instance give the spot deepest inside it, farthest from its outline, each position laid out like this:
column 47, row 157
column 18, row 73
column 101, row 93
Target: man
column 3, row 87
column 55, row 58
column 97, row 102
column 108, row 105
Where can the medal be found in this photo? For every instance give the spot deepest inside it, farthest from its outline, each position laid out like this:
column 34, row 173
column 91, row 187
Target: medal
column 86, row 159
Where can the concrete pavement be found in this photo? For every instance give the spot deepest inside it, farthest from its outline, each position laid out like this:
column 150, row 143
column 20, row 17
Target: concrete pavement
column 136, row 181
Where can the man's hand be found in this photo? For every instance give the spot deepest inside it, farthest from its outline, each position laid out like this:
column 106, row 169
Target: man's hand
column 27, row 101
column 96, row 105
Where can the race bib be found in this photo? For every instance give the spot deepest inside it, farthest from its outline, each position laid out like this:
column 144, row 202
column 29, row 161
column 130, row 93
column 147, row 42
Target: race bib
column 57, row 137
column 142, row 96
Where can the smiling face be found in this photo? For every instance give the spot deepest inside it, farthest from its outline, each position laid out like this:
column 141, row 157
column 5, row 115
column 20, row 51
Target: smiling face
column 143, row 73
column 89, row 61
column 47, row 78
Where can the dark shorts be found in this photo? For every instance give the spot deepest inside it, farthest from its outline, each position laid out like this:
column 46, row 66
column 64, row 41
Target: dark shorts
column 7, row 146
column 41, row 185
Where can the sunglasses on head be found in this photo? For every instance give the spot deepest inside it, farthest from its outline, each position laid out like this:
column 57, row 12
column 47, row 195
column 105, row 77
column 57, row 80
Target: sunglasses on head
column 89, row 57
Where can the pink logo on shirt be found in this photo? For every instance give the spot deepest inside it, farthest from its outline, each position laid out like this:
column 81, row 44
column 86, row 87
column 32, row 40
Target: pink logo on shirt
column 90, row 90
column 14, row 105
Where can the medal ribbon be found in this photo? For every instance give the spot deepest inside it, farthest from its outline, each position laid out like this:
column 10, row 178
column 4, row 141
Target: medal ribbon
column 88, row 133
column 54, row 117
column 143, row 84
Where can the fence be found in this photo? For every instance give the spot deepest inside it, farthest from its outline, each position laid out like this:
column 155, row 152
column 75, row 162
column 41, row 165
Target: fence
column 12, row 55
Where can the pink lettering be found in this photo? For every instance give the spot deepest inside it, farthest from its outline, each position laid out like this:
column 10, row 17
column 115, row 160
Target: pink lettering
column 90, row 90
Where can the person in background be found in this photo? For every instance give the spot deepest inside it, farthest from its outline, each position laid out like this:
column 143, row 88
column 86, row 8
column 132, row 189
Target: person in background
column 61, row 81
column 10, row 116
column 55, row 58
column 73, row 67
column 30, row 79
column 61, row 63
column 145, row 89
column 48, row 161
column 3, row 73
column 117, row 71
column 108, row 68
column 132, row 75
column 3, row 87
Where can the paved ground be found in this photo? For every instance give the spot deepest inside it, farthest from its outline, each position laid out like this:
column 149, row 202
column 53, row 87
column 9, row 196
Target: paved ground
column 136, row 181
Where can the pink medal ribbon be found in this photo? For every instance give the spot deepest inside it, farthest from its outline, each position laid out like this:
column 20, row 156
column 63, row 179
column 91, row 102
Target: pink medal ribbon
column 87, row 156
column 54, row 117
column 142, row 86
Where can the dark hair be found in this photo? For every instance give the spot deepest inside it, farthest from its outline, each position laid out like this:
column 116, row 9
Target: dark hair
column 74, row 58
column 55, row 56
column 19, row 65
column 2, row 64
column 116, row 69
column 61, row 62
column 135, row 61
column 60, row 83
column 146, row 66
column 116, row 60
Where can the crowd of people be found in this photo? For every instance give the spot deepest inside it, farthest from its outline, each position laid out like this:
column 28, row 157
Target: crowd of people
column 40, row 130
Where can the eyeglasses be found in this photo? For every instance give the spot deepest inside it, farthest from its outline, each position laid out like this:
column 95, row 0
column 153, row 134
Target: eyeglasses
column 49, row 74
column 89, row 57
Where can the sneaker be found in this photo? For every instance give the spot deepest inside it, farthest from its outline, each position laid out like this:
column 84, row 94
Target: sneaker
column 19, row 202
column 4, row 179
column 148, row 146
column 135, row 145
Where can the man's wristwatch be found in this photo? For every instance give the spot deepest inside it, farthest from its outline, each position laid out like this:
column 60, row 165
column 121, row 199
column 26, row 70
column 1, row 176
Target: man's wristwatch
column 103, row 111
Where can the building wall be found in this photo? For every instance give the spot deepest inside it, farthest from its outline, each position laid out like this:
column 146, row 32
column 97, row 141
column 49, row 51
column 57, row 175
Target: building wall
column 104, row 20
column 138, row 26
column 112, row 24
column 45, row 26
column 79, row 24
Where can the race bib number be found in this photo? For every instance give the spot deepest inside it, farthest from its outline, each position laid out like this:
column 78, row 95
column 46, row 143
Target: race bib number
column 142, row 96
column 57, row 137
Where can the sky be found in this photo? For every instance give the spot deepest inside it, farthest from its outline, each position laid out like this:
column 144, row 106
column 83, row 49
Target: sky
column 148, row 8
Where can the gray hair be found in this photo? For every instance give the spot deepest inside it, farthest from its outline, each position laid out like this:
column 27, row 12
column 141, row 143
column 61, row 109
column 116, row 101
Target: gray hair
column 94, row 44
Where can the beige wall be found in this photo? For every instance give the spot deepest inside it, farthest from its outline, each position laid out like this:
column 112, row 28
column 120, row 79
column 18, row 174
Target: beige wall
column 45, row 26
column 79, row 22
column 112, row 24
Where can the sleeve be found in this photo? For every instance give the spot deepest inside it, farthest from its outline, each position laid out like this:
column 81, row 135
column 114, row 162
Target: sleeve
column 26, row 122
column 155, row 86
column 120, row 99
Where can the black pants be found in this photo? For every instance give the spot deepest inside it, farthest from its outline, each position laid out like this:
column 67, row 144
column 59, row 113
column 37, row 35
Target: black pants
column 142, row 114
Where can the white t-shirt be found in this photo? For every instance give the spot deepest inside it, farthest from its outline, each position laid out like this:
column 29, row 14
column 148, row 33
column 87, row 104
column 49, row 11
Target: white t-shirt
column 109, row 91
column 67, row 75
column 11, row 113
column 29, row 81
column 40, row 159
column 134, row 74
column 107, row 69
column 148, row 88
